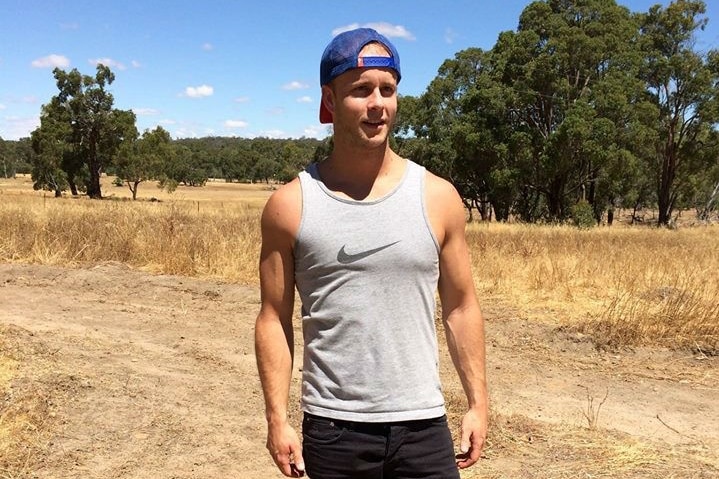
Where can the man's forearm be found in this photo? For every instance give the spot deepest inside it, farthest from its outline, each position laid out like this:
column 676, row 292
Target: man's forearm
column 465, row 340
column 274, row 348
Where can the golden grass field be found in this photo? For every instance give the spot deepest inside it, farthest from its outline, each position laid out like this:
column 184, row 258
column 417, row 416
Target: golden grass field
column 621, row 286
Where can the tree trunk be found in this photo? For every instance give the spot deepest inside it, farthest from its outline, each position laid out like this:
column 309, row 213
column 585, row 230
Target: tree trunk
column 665, row 198
column 484, row 209
column 93, row 164
column 554, row 199
column 72, row 185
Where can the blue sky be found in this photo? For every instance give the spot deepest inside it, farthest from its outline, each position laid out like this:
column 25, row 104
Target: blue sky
column 230, row 68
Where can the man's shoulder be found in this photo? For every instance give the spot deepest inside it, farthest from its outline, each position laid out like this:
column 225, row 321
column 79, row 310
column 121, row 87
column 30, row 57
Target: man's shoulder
column 284, row 207
column 287, row 193
column 444, row 207
column 439, row 189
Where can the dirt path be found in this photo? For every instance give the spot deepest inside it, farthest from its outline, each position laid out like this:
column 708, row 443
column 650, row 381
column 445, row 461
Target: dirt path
column 154, row 376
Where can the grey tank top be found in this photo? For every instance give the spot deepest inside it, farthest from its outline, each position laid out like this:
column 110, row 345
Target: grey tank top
column 366, row 273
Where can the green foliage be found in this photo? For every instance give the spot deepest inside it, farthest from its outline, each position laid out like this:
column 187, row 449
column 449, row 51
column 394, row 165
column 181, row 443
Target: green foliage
column 145, row 159
column 583, row 99
column 583, row 215
column 14, row 157
column 244, row 159
column 79, row 133
column 681, row 84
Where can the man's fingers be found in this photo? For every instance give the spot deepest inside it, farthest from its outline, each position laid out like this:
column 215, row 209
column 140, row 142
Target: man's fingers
column 465, row 443
column 466, row 459
column 470, row 446
column 288, row 467
column 296, row 460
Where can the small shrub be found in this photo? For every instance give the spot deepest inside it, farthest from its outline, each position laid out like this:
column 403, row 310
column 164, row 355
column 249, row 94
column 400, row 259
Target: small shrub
column 583, row 215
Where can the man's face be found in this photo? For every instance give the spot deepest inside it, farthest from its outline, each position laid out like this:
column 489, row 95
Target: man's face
column 363, row 104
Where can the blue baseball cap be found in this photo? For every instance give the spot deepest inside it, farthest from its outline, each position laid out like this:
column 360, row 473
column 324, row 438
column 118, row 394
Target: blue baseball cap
column 342, row 54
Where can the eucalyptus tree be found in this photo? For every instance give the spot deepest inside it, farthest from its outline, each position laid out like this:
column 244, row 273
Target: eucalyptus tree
column 54, row 168
column 81, row 117
column 540, row 121
column 6, row 169
column 682, row 83
column 564, row 59
column 145, row 159
column 453, row 129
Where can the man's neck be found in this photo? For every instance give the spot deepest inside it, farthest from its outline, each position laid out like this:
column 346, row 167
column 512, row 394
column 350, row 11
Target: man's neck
column 365, row 162
column 362, row 173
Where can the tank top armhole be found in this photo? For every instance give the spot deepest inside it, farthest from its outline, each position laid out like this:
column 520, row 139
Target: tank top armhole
column 304, row 177
column 423, row 194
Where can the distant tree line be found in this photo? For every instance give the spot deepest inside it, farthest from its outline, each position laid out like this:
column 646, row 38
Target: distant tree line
column 81, row 136
column 584, row 109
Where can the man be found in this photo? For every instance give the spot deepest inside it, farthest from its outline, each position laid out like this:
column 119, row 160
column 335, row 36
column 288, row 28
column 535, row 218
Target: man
column 367, row 237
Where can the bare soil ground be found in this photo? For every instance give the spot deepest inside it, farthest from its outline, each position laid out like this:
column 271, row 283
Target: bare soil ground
column 132, row 375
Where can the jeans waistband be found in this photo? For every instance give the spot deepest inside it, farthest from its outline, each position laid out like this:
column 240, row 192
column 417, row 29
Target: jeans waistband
column 372, row 427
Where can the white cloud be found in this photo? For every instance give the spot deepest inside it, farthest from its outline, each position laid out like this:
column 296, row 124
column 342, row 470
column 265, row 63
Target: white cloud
column 108, row 62
column 242, row 99
column 145, row 111
column 186, row 133
column 15, row 127
column 449, row 35
column 304, row 99
column 135, row 64
column 208, row 47
column 386, row 29
column 167, row 121
column 274, row 134
column 192, row 130
column 276, row 111
column 232, row 124
column 70, row 26
column 199, row 91
column 319, row 132
column 51, row 61
column 295, row 85
column 2, row 107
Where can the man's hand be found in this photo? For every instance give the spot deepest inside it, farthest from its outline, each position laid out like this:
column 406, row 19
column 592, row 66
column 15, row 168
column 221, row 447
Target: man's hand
column 286, row 450
column 474, row 433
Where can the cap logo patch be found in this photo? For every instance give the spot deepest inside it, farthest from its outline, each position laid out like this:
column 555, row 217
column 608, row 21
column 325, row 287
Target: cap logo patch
column 370, row 62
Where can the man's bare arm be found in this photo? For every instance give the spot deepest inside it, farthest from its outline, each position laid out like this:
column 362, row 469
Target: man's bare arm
column 463, row 320
column 274, row 338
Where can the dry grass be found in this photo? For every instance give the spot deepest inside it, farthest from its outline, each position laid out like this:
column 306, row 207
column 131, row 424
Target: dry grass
column 209, row 232
column 559, row 451
column 25, row 417
column 215, row 236
column 622, row 286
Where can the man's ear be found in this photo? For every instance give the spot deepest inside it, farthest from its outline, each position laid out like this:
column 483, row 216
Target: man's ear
column 328, row 99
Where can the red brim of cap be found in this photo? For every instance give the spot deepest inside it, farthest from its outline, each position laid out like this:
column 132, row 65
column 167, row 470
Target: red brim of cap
column 325, row 114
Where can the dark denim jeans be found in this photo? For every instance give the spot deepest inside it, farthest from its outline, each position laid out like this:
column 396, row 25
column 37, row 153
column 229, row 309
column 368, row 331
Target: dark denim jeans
column 335, row 449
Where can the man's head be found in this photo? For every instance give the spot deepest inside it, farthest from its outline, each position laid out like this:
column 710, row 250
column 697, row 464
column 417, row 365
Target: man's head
column 348, row 51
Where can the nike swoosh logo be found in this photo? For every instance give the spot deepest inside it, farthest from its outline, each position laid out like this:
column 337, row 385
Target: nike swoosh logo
column 346, row 258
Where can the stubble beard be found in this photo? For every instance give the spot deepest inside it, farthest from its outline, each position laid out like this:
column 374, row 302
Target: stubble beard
column 358, row 137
